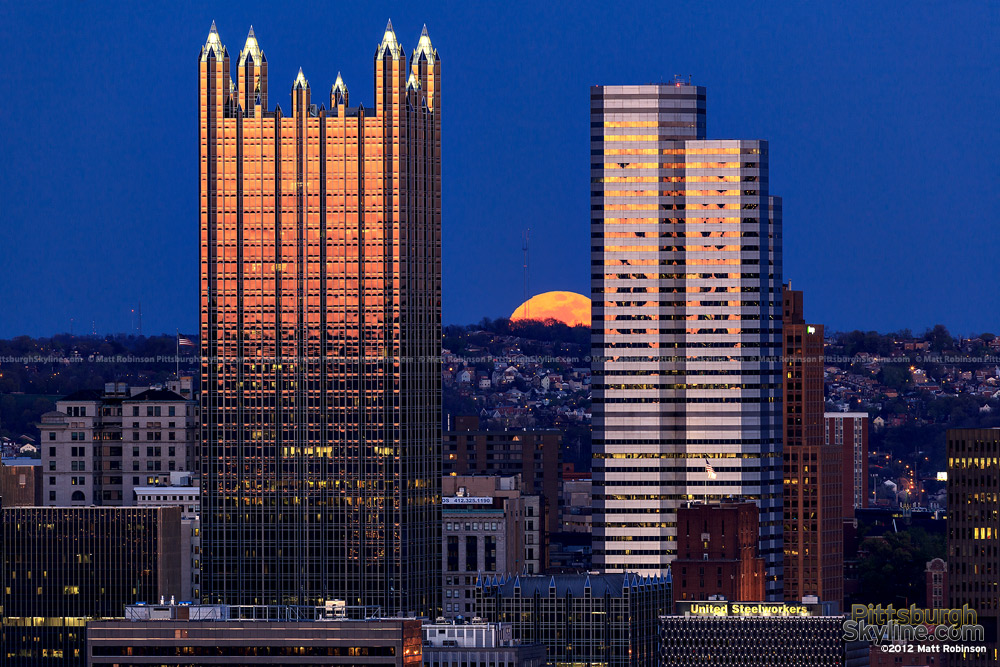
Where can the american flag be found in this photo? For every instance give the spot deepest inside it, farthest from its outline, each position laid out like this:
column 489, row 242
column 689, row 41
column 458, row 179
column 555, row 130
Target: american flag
column 709, row 470
column 181, row 340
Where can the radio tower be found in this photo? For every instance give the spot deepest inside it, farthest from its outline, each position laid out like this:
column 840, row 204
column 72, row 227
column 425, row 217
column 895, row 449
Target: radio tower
column 524, row 247
column 140, row 317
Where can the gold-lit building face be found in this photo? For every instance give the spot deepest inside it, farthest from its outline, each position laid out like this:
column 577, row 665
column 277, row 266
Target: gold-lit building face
column 320, row 326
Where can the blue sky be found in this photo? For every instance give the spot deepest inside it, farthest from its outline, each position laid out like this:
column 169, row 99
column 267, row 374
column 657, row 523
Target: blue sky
column 881, row 118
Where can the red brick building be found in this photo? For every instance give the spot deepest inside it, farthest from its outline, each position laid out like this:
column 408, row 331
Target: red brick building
column 717, row 552
column 849, row 431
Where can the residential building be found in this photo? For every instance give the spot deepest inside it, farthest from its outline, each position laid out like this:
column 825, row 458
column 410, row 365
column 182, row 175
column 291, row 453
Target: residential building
column 757, row 634
column 589, row 620
column 321, row 334
column 849, row 431
column 220, row 635
column 717, row 552
column 936, row 579
column 535, row 455
column 64, row 566
column 813, row 479
column 97, row 447
column 480, row 644
column 184, row 492
column 974, row 533
column 20, row 482
column 686, row 297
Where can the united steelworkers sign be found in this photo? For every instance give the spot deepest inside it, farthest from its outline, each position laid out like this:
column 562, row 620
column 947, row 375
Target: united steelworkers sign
column 724, row 608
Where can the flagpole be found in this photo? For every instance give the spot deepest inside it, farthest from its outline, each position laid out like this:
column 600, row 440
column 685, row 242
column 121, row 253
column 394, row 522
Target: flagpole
column 177, row 354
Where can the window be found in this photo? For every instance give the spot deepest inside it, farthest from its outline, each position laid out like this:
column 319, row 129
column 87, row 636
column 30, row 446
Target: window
column 173, row 436
column 83, row 411
column 156, row 411
column 52, row 496
column 77, row 496
column 52, row 451
column 149, row 410
column 52, row 435
column 171, row 411
column 135, row 410
column 171, row 451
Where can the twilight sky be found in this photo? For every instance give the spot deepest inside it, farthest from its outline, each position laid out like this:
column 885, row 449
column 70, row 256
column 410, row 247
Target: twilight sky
column 881, row 118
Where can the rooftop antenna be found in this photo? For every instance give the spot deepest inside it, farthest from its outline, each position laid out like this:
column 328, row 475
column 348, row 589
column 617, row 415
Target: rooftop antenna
column 140, row 317
column 524, row 248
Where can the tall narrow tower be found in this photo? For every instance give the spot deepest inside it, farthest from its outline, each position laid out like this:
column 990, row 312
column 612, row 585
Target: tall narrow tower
column 320, row 333
column 686, row 292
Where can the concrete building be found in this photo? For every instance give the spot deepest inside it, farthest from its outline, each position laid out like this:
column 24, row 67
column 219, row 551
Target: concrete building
column 588, row 620
column 813, row 480
column 577, row 505
column 479, row 644
column 97, row 447
column 20, row 482
column 325, row 337
column 974, row 533
column 717, row 552
column 64, row 566
column 485, row 532
column 686, row 293
column 757, row 634
column 184, row 492
column 849, row 431
column 535, row 455
column 218, row 635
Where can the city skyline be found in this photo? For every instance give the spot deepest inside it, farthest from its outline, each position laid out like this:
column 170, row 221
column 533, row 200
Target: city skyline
column 125, row 214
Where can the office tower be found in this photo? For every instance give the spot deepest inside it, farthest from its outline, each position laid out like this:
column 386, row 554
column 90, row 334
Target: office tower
column 487, row 530
column 973, row 533
column 321, row 334
column 97, row 447
column 686, row 280
column 717, row 552
column 198, row 635
column 758, row 635
column 582, row 619
column 814, row 532
column 849, row 432
column 64, row 566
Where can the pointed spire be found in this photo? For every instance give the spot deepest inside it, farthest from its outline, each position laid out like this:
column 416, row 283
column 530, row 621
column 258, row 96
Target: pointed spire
column 300, row 81
column 338, row 92
column 213, row 44
column 412, row 83
column 389, row 44
column 424, row 47
column 252, row 49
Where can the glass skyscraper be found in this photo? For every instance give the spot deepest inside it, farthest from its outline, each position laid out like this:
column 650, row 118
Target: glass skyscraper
column 320, row 334
column 686, row 289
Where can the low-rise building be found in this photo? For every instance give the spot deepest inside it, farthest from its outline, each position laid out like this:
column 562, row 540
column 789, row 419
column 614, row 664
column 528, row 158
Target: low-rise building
column 183, row 492
column 183, row 635
column 588, row 620
column 480, row 644
column 20, row 482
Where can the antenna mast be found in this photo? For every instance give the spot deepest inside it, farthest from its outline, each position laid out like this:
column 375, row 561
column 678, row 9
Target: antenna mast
column 524, row 248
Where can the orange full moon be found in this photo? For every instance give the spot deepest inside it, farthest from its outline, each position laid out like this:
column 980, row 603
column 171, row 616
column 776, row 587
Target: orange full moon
column 568, row 307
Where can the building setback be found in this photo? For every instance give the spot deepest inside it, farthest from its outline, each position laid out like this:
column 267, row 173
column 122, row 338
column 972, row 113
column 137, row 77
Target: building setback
column 63, row 566
column 813, row 482
column 206, row 635
column 478, row 644
column 321, row 334
column 686, row 293
column 595, row 620
column 974, row 533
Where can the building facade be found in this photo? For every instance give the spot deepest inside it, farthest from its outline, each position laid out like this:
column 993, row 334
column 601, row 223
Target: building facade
column 20, row 482
column 849, row 432
column 595, row 620
column 685, row 286
column 974, row 533
column 64, row 566
column 184, row 493
column 535, row 455
column 717, row 552
column 321, row 334
column 479, row 644
column 97, row 447
column 813, row 479
column 182, row 635
column 758, row 634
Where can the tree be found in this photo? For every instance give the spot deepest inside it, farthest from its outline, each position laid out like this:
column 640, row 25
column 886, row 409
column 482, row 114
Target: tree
column 939, row 338
column 892, row 569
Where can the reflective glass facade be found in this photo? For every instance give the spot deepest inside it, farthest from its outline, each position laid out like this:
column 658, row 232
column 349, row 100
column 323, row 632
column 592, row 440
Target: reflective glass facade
column 320, row 333
column 686, row 291
column 63, row 566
